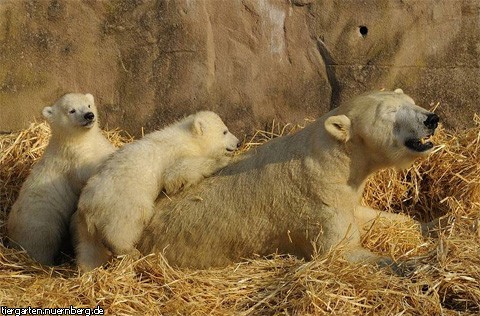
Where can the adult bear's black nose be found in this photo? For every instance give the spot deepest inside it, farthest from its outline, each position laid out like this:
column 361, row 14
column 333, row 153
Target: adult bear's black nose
column 432, row 121
column 89, row 116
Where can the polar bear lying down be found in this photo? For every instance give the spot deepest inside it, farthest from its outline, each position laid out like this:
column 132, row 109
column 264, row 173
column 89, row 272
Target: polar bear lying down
column 118, row 201
column 295, row 191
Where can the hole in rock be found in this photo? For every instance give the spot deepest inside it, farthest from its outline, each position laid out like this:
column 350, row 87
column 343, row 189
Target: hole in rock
column 363, row 30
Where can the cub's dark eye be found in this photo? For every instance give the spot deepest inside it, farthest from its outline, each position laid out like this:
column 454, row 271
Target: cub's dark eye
column 71, row 111
column 225, row 132
column 89, row 106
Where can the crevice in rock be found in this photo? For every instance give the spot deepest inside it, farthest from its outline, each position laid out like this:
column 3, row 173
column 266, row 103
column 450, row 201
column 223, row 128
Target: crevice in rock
column 210, row 51
column 287, row 51
column 330, row 64
column 177, row 51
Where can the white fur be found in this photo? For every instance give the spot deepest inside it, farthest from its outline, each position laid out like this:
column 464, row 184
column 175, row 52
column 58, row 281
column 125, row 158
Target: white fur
column 293, row 194
column 117, row 203
column 39, row 219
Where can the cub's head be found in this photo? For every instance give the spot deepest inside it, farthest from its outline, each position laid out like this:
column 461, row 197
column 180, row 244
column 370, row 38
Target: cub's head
column 387, row 127
column 73, row 112
column 213, row 135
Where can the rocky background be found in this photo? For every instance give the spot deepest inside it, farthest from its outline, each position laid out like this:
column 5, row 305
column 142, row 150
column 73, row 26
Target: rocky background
column 148, row 62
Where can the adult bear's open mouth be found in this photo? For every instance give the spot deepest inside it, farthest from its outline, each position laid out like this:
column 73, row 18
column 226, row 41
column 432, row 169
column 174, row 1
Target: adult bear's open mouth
column 419, row 144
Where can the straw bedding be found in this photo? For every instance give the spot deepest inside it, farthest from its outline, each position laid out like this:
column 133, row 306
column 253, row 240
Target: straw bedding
column 445, row 282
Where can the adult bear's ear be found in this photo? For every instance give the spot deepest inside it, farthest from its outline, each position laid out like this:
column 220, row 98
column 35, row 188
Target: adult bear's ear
column 47, row 112
column 398, row 91
column 90, row 98
column 198, row 126
column 339, row 127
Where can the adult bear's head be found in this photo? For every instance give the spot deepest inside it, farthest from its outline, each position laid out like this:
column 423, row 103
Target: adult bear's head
column 386, row 127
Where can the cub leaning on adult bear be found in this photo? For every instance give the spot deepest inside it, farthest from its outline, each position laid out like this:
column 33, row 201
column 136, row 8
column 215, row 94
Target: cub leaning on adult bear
column 118, row 201
column 295, row 191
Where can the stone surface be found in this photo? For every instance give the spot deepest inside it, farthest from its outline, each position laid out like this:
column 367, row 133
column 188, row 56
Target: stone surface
column 149, row 62
column 431, row 49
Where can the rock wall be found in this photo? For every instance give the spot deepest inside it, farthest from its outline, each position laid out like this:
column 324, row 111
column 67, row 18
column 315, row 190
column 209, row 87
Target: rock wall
column 429, row 48
column 149, row 62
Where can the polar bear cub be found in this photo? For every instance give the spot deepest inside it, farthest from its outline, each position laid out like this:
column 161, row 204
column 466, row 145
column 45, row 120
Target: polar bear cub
column 40, row 217
column 116, row 204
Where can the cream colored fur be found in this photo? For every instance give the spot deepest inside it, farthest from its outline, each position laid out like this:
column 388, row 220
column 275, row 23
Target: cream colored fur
column 116, row 204
column 293, row 194
column 39, row 219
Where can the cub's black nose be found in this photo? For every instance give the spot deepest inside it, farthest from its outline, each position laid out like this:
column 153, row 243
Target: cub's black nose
column 432, row 121
column 89, row 116
column 239, row 144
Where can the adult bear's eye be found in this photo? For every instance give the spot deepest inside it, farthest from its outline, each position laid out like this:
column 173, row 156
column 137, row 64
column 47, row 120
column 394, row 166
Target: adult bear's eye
column 72, row 111
column 225, row 132
column 89, row 106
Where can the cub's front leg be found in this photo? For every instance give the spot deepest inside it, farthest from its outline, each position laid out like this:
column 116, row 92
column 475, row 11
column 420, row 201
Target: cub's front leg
column 190, row 171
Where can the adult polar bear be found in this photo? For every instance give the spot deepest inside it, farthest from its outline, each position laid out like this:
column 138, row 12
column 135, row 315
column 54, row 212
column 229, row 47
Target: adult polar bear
column 295, row 191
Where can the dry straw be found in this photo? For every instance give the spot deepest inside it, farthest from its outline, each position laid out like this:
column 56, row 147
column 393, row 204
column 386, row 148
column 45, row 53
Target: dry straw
column 445, row 282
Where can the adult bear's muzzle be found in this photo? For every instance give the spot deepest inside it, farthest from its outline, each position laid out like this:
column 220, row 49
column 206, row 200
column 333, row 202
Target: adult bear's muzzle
column 424, row 144
column 432, row 121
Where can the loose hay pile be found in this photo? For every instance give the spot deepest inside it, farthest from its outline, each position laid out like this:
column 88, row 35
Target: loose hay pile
column 446, row 282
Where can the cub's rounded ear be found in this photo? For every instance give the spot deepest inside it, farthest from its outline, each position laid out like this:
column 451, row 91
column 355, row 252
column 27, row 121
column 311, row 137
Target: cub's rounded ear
column 47, row 112
column 198, row 126
column 339, row 127
column 90, row 98
column 398, row 91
